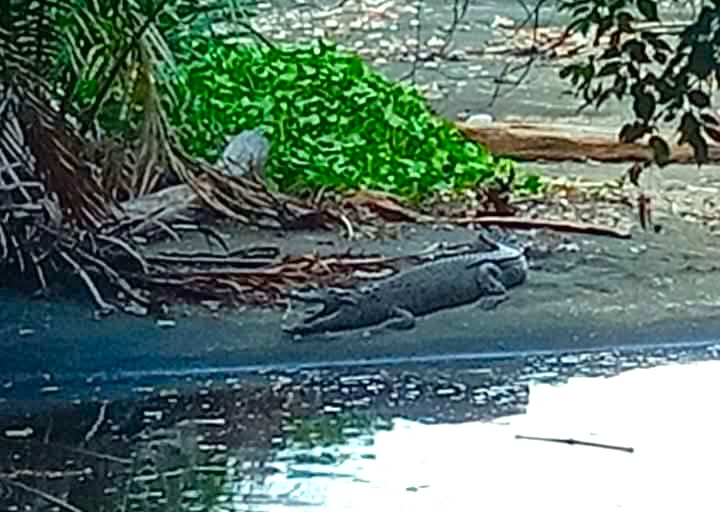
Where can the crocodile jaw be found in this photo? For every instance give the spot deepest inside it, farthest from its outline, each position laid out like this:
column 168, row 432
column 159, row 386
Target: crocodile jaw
column 342, row 310
column 316, row 322
column 330, row 300
column 314, row 296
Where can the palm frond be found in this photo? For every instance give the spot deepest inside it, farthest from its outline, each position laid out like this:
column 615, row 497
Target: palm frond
column 84, row 96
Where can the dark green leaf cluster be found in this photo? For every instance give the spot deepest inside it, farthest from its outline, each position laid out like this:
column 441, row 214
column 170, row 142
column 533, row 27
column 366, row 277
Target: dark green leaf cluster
column 333, row 122
column 666, row 75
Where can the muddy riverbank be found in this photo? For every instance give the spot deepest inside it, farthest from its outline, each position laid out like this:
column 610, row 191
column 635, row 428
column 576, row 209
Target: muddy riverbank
column 590, row 292
column 587, row 293
column 657, row 287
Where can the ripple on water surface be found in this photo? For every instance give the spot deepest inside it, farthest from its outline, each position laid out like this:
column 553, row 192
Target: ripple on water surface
column 387, row 438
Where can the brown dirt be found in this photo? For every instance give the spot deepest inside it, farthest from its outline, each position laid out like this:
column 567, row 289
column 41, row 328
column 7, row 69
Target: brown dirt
column 594, row 282
column 587, row 292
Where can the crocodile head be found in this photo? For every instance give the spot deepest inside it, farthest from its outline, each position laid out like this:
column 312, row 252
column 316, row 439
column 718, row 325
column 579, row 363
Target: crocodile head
column 513, row 272
column 510, row 262
column 331, row 301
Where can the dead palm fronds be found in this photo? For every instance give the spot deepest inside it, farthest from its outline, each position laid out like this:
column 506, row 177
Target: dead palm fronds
column 52, row 208
column 64, row 168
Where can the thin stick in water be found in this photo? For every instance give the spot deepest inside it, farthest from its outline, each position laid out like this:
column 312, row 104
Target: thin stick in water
column 627, row 449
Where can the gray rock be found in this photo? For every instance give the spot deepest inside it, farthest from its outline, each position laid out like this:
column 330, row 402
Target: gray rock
column 476, row 119
column 247, row 153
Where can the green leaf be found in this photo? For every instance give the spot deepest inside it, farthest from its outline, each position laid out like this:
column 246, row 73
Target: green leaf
column 660, row 57
column 709, row 119
column 648, row 8
column 644, row 105
column 700, row 148
column 690, row 133
column 701, row 61
column 602, row 26
column 309, row 70
column 392, row 118
column 611, row 68
column 533, row 183
column 637, row 51
column 566, row 71
column 699, row 99
column 655, row 41
column 624, row 22
column 633, row 131
column 611, row 52
column 660, row 149
column 603, row 97
column 615, row 6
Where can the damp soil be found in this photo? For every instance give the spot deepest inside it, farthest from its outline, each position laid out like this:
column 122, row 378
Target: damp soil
column 588, row 292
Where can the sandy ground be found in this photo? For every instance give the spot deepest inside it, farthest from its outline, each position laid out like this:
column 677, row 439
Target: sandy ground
column 388, row 34
column 597, row 292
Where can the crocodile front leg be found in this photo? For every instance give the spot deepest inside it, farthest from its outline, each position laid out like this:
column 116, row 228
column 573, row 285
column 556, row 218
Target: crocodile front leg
column 401, row 319
column 492, row 289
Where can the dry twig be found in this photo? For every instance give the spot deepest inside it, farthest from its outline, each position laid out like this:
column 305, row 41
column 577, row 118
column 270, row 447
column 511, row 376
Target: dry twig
column 579, row 443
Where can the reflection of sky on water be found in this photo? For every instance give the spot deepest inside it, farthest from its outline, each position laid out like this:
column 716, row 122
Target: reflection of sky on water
column 666, row 414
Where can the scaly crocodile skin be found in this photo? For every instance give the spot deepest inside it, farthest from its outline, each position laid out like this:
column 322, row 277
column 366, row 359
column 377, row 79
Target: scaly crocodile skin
column 481, row 275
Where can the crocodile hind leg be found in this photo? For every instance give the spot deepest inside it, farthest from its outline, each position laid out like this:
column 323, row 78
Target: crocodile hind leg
column 493, row 290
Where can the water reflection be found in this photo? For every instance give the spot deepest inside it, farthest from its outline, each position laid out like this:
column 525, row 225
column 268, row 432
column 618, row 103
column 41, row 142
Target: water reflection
column 393, row 438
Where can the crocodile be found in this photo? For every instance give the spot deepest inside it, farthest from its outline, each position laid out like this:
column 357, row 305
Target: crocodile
column 482, row 275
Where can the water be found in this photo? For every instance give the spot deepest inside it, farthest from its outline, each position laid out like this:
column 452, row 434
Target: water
column 665, row 415
column 414, row 436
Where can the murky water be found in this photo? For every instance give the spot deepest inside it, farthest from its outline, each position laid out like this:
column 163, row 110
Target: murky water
column 390, row 437
column 663, row 414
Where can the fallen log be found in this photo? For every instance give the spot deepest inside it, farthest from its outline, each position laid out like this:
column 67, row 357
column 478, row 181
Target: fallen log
column 580, row 228
column 241, row 199
column 528, row 141
column 391, row 210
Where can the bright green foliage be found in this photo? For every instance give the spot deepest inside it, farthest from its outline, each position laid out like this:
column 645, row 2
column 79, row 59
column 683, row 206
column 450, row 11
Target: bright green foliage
column 333, row 122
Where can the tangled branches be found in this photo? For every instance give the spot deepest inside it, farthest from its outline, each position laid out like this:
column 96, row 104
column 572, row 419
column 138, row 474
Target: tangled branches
column 57, row 215
column 43, row 185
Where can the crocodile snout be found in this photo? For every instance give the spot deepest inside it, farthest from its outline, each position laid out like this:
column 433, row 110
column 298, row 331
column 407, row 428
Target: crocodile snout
column 312, row 295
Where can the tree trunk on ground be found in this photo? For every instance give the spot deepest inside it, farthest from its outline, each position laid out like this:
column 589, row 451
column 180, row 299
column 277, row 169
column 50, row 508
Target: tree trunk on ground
column 526, row 141
column 169, row 205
